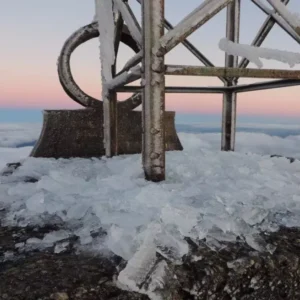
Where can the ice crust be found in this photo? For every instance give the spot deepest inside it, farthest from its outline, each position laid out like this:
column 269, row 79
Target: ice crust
column 208, row 194
column 254, row 54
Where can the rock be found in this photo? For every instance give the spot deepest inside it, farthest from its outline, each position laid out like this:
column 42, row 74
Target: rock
column 59, row 296
column 10, row 168
column 291, row 159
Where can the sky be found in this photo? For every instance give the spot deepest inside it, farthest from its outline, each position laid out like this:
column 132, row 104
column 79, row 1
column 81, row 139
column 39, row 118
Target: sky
column 33, row 32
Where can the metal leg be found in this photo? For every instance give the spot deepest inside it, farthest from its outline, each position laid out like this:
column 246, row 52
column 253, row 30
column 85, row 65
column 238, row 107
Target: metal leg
column 153, row 92
column 229, row 98
column 110, row 112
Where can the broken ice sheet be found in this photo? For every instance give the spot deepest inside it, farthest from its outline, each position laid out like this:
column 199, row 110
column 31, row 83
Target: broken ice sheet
column 198, row 198
column 121, row 242
column 139, row 266
column 36, row 203
column 60, row 247
column 55, row 236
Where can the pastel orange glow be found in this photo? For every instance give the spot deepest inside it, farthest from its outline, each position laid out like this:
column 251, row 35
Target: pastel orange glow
column 34, row 91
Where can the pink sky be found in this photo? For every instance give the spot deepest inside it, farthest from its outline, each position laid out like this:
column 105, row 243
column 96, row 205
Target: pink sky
column 36, row 89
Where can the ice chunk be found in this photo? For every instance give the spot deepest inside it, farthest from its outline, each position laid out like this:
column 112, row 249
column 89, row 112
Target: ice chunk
column 19, row 245
column 84, row 235
column 121, row 242
column 55, row 236
column 36, row 203
column 34, row 243
column 139, row 266
column 60, row 247
column 77, row 211
column 9, row 255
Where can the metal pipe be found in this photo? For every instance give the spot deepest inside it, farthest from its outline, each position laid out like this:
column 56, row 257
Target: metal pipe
column 153, row 146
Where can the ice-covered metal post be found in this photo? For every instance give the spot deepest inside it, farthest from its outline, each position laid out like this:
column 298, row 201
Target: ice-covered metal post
column 107, row 28
column 229, row 97
column 153, row 81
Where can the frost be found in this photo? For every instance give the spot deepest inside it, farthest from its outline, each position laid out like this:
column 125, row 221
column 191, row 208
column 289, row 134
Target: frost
column 105, row 18
column 254, row 54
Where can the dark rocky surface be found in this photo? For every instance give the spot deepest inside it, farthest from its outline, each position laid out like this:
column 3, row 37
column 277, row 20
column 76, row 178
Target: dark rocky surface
column 235, row 271
column 43, row 275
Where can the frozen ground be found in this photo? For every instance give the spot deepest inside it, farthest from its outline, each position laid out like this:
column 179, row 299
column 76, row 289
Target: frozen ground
column 207, row 193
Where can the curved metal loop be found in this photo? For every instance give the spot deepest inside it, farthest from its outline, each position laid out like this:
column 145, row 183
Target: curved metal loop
column 66, row 79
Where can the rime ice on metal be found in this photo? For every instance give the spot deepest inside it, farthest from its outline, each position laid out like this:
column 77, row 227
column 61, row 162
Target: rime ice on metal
column 254, row 54
column 106, row 25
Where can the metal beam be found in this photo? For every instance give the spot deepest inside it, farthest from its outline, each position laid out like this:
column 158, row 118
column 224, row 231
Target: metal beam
column 153, row 149
column 282, row 23
column 231, row 72
column 124, row 78
column 130, row 20
column 274, row 84
column 285, row 15
column 187, row 26
column 177, row 89
column 188, row 45
column 261, row 35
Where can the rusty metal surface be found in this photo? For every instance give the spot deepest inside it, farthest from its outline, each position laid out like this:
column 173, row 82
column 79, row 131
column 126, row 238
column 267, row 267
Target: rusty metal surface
column 190, row 24
column 153, row 91
column 66, row 79
column 79, row 133
column 231, row 72
column 179, row 89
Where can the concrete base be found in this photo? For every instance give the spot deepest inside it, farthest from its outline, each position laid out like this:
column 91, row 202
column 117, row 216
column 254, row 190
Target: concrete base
column 79, row 133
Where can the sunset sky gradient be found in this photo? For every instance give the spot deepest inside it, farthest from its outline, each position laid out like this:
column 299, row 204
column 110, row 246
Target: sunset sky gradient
column 33, row 32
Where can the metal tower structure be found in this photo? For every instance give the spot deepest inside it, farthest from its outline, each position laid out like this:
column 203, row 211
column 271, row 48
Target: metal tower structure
column 148, row 64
